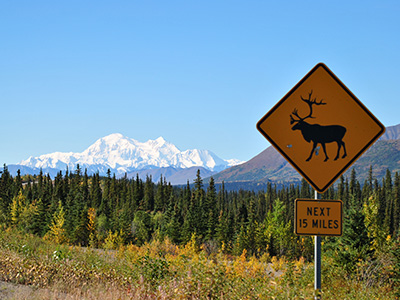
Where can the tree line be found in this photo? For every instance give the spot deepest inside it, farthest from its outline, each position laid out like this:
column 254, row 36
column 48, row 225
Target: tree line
column 96, row 211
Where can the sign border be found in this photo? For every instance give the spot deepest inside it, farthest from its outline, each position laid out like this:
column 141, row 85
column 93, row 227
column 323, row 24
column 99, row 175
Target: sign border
column 318, row 200
column 376, row 137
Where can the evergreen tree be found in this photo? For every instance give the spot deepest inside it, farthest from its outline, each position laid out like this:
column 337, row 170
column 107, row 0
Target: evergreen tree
column 174, row 226
column 221, row 198
column 95, row 191
column 388, row 195
column 209, row 209
column 223, row 230
column 38, row 224
column 17, row 183
column 198, row 212
column 251, row 230
column 137, row 191
column 189, row 224
column 141, row 227
column 261, row 206
column 159, row 201
column 241, row 241
column 354, row 244
column 81, row 232
column 270, row 196
column 85, row 189
column 148, row 198
column 5, row 195
column 123, row 223
column 396, row 204
column 305, row 191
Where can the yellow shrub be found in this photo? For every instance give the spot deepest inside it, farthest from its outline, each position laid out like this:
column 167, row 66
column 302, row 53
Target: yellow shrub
column 278, row 264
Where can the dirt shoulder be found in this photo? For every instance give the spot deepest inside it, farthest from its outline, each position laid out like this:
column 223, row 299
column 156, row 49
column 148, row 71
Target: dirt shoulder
column 15, row 291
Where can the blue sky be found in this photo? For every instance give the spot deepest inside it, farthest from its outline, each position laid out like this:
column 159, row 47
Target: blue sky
column 199, row 73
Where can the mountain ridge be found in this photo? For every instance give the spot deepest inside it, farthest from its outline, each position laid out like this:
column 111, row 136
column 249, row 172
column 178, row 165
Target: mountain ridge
column 122, row 155
column 391, row 133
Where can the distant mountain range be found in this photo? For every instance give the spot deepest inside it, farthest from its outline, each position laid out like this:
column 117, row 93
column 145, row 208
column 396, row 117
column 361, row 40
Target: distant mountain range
column 269, row 165
column 123, row 155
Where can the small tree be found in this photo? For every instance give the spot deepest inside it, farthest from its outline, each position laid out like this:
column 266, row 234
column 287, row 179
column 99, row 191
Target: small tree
column 92, row 227
column 17, row 205
column 56, row 232
column 25, row 215
column 141, row 227
column 278, row 229
column 375, row 231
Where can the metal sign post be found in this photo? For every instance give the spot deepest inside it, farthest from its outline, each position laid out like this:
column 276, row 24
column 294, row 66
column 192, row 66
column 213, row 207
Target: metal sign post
column 317, row 260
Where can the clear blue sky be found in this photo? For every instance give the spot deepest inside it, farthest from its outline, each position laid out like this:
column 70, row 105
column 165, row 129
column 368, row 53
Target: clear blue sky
column 199, row 73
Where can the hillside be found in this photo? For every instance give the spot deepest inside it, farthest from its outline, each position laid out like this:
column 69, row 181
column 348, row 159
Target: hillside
column 268, row 165
column 392, row 133
column 383, row 155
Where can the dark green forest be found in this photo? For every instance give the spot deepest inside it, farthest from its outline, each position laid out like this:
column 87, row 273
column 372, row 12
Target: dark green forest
column 105, row 212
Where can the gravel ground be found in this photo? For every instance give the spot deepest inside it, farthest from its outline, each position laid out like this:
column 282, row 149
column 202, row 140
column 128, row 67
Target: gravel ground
column 15, row 291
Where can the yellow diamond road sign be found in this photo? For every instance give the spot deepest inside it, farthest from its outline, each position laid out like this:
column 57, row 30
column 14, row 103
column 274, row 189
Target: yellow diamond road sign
column 320, row 127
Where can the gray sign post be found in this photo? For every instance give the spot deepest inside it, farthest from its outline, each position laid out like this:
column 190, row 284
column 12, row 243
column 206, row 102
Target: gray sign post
column 317, row 260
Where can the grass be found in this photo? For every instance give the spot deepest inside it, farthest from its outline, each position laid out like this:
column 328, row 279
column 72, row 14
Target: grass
column 161, row 270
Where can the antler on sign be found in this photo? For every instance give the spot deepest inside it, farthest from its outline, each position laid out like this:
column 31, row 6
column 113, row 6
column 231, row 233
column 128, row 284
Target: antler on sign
column 311, row 103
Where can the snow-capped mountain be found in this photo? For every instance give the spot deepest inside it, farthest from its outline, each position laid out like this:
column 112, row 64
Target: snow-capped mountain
column 122, row 155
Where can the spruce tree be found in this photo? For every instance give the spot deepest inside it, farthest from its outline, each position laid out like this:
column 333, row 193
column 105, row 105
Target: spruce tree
column 159, row 200
column 148, row 197
column 5, row 195
column 17, row 186
column 198, row 212
column 388, row 219
column 305, row 191
column 174, row 227
column 81, row 231
column 95, row 193
column 354, row 244
column 189, row 224
column 209, row 209
column 396, row 204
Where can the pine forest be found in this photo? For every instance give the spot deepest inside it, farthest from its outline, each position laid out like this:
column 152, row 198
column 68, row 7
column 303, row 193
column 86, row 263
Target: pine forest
column 85, row 237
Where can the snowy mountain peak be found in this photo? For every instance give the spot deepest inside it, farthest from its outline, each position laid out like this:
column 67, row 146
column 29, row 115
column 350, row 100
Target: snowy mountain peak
column 115, row 138
column 122, row 154
column 161, row 140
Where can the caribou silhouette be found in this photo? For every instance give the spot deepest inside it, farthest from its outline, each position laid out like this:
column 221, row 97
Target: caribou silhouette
column 316, row 133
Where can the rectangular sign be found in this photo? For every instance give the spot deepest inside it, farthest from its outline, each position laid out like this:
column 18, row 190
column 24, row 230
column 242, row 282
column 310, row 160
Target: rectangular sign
column 318, row 217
